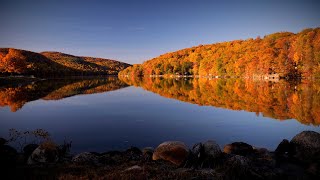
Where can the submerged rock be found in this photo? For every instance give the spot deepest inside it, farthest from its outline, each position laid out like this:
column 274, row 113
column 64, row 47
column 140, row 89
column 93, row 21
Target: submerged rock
column 86, row 158
column 238, row 148
column 47, row 152
column 173, row 151
column 306, row 146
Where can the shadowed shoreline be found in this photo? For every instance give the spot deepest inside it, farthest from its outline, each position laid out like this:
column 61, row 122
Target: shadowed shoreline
column 297, row 158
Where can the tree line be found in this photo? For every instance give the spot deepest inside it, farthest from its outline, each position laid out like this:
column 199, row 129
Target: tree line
column 285, row 54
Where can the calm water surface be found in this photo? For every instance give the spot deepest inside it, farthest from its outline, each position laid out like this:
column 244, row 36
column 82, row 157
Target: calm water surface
column 112, row 114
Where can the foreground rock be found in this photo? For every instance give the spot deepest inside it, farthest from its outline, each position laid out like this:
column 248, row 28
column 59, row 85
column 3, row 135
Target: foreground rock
column 3, row 141
column 147, row 153
column 7, row 155
column 205, row 154
column 28, row 149
column 238, row 148
column 173, row 151
column 174, row 161
column 86, row 158
column 47, row 152
column 306, row 146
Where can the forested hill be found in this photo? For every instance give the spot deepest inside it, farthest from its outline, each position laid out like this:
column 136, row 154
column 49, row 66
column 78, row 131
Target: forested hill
column 16, row 61
column 87, row 64
column 283, row 54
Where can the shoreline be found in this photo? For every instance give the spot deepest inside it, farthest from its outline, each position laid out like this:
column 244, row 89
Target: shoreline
column 299, row 158
column 259, row 78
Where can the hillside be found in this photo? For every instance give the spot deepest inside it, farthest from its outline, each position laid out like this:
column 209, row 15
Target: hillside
column 16, row 61
column 87, row 64
column 281, row 54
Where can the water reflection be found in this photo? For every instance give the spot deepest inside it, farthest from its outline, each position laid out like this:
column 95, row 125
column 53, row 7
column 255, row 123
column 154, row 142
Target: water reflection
column 17, row 95
column 279, row 100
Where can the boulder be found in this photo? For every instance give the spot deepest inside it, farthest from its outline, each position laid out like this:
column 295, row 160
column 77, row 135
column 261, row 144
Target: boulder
column 174, row 151
column 86, row 158
column 306, row 146
column 3, row 141
column 147, row 153
column 47, row 152
column 264, row 158
column 113, row 157
column 7, row 155
column 237, row 167
column 211, row 149
column 133, row 153
column 239, row 162
column 238, row 148
column 206, row 154
column 28, row 149
column 284, row 150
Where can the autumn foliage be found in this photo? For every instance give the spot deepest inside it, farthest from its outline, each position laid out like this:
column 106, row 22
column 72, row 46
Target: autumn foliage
column 285, row 54
column 15, row 61
column 87, row 65
column 16, row 96
column 279, row 100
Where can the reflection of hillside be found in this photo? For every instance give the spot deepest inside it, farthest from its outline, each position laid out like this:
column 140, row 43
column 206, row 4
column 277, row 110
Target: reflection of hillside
column 16, row 96
column 281, row 100
column 89, row 86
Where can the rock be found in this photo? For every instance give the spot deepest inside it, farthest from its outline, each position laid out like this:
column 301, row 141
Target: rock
column 206, row 154
column 3, row 141
column 237, row 167
column 238, row 161
column 7, row 155
column 28, row 149
column 264, row 158
column 147, row 150
column 283, row 150
column 147, row 153
column 86, row 158
column 113, row 157
column 306, row 146
column 173, row 151
column 314, row 169
column 212, row 149
column 238, row 148
column 106, row 159
column 133, row 153
column 134, row 168
column 47, row 152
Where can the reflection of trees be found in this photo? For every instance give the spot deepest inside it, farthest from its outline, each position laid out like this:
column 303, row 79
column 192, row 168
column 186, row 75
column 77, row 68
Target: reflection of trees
column 280, row 100
column 17, row 96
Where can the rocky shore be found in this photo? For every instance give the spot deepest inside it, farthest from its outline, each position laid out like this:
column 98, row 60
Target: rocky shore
column 298, row 158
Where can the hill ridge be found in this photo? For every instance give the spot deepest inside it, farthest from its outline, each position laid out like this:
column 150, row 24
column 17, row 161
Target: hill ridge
column 52, row 63
column 280, row 54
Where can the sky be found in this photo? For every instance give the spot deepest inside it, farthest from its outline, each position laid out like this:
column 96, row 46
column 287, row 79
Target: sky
column 134, row 31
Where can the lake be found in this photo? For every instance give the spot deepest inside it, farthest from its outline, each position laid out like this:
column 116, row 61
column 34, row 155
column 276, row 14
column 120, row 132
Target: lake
column 113, row 114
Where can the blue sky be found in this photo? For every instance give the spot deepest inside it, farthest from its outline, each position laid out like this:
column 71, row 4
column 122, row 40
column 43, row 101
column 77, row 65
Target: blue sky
column 137, row 30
